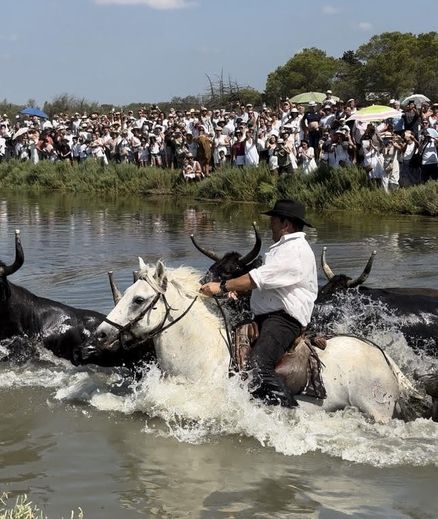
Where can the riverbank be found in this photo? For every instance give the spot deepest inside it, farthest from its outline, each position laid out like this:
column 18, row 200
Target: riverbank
column 326, row 189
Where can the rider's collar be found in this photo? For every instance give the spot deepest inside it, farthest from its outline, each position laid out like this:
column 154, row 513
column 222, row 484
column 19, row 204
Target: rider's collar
column 288, row 237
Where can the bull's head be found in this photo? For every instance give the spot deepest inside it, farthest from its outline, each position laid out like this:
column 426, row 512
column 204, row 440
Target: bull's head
column 7, row 270
column 232, row 264
column 340, row 282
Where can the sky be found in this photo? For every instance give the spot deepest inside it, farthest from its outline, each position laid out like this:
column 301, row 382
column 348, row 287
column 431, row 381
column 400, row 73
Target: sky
column 125, row 51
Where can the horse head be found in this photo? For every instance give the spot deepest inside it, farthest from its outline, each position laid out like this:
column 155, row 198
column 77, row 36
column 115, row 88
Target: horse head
column 164, row 305
column 232, row 264
column 7, row 270
column 141, row 310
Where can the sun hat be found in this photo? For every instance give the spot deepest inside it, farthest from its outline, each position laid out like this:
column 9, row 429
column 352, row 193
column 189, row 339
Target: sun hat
column 291, row 209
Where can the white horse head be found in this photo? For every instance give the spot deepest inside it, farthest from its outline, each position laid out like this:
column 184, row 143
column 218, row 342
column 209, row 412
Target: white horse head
column 166, row 305
column 190, row 340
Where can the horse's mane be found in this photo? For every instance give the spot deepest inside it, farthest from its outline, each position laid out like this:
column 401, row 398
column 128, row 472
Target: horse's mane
column 184, row 279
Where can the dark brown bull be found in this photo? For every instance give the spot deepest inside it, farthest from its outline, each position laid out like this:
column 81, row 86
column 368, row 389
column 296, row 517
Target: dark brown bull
column 416, row 308
column 231, row 264
column 26, row 319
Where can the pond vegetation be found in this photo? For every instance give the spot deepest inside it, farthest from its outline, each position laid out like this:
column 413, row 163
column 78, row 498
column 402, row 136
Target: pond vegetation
column 326, row 189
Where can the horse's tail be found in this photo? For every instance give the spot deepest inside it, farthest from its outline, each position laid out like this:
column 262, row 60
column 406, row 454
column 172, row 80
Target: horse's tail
column 411, row 404
column 404, row 384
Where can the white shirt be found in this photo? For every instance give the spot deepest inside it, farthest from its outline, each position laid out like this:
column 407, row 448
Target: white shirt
column 287, row 280
column 2, row 146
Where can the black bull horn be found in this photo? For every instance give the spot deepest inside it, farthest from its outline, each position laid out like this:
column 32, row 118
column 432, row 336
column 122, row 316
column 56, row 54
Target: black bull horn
column 117, row 295
column 351, row 283
column 7, row 270
column 249, row 258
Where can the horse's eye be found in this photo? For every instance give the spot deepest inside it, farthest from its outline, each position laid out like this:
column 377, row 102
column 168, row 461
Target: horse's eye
column 138, row 300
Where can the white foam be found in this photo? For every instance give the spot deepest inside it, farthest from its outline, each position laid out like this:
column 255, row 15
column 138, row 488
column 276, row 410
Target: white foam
column 200, row 413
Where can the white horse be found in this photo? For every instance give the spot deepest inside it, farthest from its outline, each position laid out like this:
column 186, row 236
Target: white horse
column 190, row 340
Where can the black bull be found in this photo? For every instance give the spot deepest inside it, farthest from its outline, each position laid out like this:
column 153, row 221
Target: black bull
column 26, row 319
column 416, row 309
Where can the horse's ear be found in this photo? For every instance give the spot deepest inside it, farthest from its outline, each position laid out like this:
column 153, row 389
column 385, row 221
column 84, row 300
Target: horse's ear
column 160, row 275
column 141, row 263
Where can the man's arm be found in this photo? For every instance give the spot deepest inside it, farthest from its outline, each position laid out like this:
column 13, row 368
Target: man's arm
column 240, row 285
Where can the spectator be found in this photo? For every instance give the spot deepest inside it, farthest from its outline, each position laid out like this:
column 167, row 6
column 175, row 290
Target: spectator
column 306, row 157
column 373, row 158
column 392, row 148
column 411, row 118
column 154, row 151
column 191, row 169
column 327, row 118
column 433, row 117
column 282, row 153
column 310, row 125
column 204, row 150
column 328, row 100
column 428, row 151
column 271, row 145
column 251, row 154
column 220, row 143
column 410, row 173
column 238, row 150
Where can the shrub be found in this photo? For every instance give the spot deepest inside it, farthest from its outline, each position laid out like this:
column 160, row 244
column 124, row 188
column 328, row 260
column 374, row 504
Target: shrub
column 327, row 188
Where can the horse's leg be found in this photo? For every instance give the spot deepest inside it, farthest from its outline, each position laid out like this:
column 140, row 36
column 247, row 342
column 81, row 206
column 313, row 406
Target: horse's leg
column 377, row 392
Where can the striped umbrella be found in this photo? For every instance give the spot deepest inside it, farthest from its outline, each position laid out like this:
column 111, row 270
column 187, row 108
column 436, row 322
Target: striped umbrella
column 307, row 97
column 374, row 113
column 418, row 99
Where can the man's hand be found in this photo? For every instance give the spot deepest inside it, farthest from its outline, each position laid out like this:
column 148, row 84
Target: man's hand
column 235, row 286
column 210, row 289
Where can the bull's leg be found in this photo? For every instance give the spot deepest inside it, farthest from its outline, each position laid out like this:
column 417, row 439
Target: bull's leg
column 431, row 387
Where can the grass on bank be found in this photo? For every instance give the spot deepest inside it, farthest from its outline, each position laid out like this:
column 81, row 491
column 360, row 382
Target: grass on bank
column 341, row 188
column 23, row 508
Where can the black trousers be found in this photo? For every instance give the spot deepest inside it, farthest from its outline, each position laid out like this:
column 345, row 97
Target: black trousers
column 277, row 331
column 429, row 172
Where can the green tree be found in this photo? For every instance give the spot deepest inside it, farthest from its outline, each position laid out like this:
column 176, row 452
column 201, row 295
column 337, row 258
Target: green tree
column 65, row 103
column 348, row 80
column 426, row 78
column 309, row 70
column 389, row 64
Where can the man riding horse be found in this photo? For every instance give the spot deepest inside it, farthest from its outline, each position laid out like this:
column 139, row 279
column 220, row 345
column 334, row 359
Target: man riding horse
column 283, row 292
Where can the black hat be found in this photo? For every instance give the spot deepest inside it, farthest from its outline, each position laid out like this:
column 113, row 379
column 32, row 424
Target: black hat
column 290, row 209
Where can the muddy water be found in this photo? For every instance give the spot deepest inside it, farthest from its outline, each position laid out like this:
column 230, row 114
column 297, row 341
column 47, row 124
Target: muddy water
column 74, row 437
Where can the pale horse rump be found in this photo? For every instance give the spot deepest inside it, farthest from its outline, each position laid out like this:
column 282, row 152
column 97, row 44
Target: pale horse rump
column 190, row 341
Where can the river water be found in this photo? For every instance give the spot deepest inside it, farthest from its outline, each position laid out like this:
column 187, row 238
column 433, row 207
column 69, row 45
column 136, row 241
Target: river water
column 74, row 437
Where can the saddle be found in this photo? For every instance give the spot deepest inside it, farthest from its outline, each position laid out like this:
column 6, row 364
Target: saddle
column 300, row 368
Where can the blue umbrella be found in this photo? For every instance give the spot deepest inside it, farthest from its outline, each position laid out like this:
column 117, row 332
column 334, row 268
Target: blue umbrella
column 34, row 112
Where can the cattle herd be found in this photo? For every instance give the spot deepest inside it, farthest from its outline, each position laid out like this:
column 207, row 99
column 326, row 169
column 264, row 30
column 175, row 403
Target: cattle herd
column 29, row 322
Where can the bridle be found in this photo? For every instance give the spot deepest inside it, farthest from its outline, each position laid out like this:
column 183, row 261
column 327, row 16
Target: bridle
column 161, row 327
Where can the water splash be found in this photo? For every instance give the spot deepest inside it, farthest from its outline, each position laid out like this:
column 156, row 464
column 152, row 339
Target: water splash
column 206, row 411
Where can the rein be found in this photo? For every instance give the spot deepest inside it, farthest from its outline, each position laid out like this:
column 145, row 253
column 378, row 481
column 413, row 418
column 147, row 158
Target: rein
column 160, row 328
column 228, row 341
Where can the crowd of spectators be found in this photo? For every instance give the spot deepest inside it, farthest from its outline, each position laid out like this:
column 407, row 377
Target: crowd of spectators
column 397, row 152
